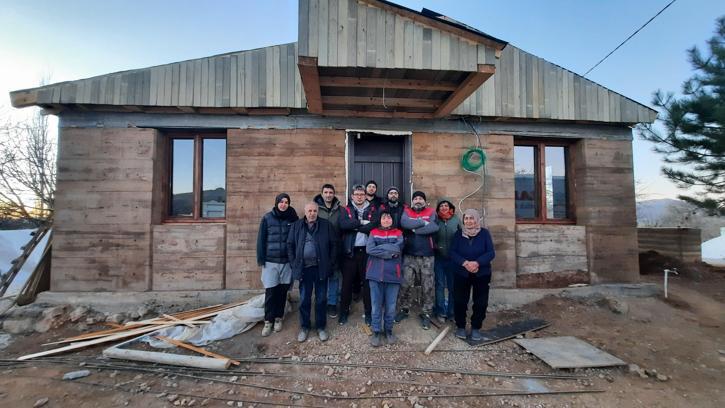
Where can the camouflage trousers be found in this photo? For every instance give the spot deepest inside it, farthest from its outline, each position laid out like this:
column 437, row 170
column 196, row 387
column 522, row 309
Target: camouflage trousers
column 418, row 270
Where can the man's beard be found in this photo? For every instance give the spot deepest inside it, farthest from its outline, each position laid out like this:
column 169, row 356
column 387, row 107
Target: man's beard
column 418, row 206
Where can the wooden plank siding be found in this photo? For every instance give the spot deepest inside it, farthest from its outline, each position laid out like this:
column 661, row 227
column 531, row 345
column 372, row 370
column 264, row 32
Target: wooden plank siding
column 226, row 80
column 529, row 87
column 384, row 38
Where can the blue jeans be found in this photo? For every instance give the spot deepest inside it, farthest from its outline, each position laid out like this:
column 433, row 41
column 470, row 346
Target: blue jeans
column 383, row 297
column 444, row 279
column 333, row 288
column 309, row 283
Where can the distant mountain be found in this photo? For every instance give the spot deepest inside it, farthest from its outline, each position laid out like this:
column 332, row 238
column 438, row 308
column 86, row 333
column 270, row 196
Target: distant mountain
column 651, row 211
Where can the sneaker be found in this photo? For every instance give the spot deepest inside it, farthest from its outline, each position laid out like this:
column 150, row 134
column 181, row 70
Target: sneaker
column 302, row 335
column 277, row 325
column 322, row 334
column 476, row 335
column 375, row 340
column 425, row 322
column 461, row 333
column 332, row 311
column 342, row 320
column 267, row 329
column 402, row 315
column 391, row 338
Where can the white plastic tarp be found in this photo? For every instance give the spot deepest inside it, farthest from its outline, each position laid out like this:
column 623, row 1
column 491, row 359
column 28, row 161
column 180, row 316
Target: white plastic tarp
column 226, row 324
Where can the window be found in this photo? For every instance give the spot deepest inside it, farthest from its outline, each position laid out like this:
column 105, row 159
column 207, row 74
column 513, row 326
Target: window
column 197, row 177
column 541, row 179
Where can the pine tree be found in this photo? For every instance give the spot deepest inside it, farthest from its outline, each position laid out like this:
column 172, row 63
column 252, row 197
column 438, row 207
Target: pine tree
column 694, row 136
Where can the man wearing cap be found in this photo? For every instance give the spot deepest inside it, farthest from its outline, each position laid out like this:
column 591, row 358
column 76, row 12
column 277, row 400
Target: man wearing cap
column 393, row 205
column 419, row 223
column 371, row 188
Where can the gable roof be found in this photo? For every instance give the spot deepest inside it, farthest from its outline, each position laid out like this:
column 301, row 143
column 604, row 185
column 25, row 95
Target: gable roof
column 523, row 87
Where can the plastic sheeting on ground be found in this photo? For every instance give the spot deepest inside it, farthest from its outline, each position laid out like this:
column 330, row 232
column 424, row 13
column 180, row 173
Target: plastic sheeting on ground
column 226, row 324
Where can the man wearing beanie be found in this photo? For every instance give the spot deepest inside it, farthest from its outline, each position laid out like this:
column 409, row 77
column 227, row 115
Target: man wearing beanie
column 393, row 205
column 419, row 224
column 371, row 188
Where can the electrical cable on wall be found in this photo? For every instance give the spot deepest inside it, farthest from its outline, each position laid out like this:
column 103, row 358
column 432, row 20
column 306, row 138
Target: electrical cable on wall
column 470, row 166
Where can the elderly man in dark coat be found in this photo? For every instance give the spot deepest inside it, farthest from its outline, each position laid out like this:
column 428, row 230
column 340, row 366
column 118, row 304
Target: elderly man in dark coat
column 312, row 250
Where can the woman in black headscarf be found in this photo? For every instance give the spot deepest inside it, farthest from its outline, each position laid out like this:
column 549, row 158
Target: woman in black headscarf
column 272, row 257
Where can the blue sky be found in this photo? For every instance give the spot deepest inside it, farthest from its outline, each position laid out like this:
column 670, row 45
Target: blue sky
column 76, row 39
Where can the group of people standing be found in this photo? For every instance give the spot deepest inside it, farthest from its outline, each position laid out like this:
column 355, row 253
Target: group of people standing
column 376, row 250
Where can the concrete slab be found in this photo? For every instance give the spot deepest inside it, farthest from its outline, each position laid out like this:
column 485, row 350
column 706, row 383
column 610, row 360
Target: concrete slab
column 568, row 352
column 500, row 298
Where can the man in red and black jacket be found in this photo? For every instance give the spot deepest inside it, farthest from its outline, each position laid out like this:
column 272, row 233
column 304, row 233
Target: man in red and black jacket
column 420, row 226
column 356, row 222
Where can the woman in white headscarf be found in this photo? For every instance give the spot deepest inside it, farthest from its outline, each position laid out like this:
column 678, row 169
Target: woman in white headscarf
column 471, row 252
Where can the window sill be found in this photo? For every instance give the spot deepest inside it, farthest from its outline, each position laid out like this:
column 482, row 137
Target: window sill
column 193, row 221
column 553, row 222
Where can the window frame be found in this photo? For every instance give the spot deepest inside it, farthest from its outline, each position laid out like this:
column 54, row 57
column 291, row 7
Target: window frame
column 540, row 146
column 197, row 171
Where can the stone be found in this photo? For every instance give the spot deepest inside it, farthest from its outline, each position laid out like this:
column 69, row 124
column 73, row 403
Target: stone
column 76, row 374
column 234, row 379
column 19, row 326
column 347, row 356
column 662, row 377
column 77, row 313
column 330, row 371
column 5, row 340
column 172, row 397
column 117, row 318
column 41, row 402
column 230, row 403
column 617, row 306
column 51, row 318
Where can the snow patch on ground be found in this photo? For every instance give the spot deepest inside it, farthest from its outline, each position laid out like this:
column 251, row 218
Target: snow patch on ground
column 10, row 243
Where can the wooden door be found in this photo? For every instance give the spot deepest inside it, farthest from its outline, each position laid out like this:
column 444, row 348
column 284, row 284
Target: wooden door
column 382, row 158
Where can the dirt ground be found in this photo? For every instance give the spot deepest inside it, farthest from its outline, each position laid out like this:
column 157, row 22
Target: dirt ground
column 682, row 338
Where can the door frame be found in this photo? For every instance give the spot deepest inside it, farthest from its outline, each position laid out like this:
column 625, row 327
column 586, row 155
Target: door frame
column 351, row 134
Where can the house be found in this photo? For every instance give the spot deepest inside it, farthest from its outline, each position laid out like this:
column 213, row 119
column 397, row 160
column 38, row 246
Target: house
column 164, row 172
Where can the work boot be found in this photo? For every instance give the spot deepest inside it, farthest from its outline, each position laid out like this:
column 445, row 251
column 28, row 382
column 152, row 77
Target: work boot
column 278, row 325
column 476, row 335
column 390, row 337
column 425, row 321
column 376, row 341
column 461, row 333
column 322, row 334
column 302, row 335
column 402, row 315
column 342, row 320
column 267, row 329
column 355, row 297
column 332, row 311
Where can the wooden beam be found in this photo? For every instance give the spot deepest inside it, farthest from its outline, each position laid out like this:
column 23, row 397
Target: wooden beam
column 24, row 98
column 348, row 113
column 416, row 84
column 469, row 85
column 431, row 22
column 199, row 350
column 268, row 111
column 311, row 83
column 379, row 101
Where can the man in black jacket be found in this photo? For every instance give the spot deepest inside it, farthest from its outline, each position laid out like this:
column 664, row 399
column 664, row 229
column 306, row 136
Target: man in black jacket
column 371, row 189
column 311, row 248
column 329, row 209
column 356, row 222
column 393, row 205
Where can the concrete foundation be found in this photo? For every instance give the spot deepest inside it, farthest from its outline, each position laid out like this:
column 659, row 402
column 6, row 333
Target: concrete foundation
column 500, row 299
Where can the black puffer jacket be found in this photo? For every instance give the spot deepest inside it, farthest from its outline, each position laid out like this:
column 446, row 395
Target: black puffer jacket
column 272, row 236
